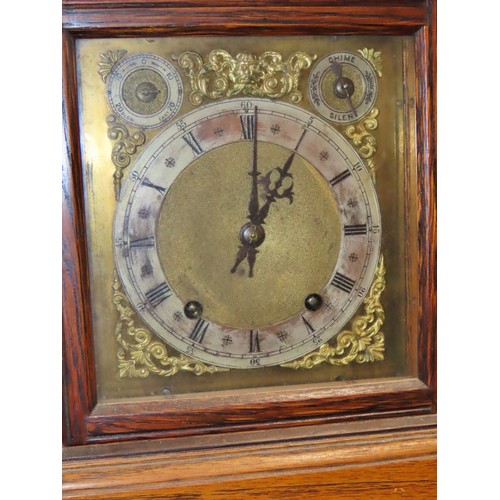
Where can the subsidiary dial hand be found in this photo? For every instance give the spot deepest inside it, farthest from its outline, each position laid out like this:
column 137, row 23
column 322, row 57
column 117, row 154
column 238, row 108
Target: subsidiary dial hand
column 343, row 87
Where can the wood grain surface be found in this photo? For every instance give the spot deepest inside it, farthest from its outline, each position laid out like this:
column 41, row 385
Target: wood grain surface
column 364, row 440
column 376, row 464
column 87, row 421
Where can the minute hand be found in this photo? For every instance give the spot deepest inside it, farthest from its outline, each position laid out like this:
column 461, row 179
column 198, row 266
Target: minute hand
column 274, row 194
column 253, row 205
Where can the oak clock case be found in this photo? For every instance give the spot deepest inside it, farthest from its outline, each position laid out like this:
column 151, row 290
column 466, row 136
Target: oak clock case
column 244, row 232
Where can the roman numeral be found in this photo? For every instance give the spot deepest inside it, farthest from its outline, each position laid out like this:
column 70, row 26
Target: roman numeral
column 247, row 126
column 353, row 229
column 254, row 341
column 192, row 142
column 308, row 325
column 343, row 282
column 148, row 183
column 158, row 294
column 199, row 330
column 340, row 177
column 143, row 242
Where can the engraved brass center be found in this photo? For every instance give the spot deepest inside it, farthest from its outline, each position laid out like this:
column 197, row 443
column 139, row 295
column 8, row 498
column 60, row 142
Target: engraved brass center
column 199, row 231
column 145, row 91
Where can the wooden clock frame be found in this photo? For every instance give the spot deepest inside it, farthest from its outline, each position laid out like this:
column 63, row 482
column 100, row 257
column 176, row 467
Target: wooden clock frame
column 258, row 420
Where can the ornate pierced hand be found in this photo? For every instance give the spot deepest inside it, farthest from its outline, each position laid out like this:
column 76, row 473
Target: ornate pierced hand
column 278, row 191
column 252, row 233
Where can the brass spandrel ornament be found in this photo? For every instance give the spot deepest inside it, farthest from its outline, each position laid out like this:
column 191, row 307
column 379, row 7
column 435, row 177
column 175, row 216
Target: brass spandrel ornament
column 362, row 342
column 141, row 353
column 222, row 75
column 125, row 146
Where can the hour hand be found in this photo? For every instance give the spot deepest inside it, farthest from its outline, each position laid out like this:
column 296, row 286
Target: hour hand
column 277, row 192
column 245, row 251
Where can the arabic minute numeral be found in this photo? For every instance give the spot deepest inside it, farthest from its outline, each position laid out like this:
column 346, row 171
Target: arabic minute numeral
column 255, row 361
column 246, row 105
column 317, row 340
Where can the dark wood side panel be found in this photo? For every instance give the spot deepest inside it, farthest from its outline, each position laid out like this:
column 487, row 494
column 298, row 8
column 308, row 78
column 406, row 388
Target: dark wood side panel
column 86, row 422
column 425, row 50
column 78, row 362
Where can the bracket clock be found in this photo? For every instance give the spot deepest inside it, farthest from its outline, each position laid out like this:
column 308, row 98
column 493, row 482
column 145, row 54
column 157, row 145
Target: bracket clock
column 249, row 248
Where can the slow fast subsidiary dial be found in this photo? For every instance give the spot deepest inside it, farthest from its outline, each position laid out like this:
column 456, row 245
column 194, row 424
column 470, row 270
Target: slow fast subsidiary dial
column 145, row 90
column 247, row 233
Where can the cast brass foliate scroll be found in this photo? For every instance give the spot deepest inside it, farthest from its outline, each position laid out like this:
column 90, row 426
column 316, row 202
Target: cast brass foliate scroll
column 140, row 354
column 374, row 58
column 361, row 136
column 246, row 74
column 124, row 148
column 363, row 342
column 108, row 60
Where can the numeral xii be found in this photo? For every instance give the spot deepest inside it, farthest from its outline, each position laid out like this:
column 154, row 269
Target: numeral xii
column 247, row 122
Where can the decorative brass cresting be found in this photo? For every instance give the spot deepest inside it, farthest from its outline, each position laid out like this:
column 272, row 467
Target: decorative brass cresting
column 140, row 353
column 246, row 74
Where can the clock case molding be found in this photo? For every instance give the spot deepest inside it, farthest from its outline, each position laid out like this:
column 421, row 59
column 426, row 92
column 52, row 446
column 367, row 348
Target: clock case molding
column 406, row 404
